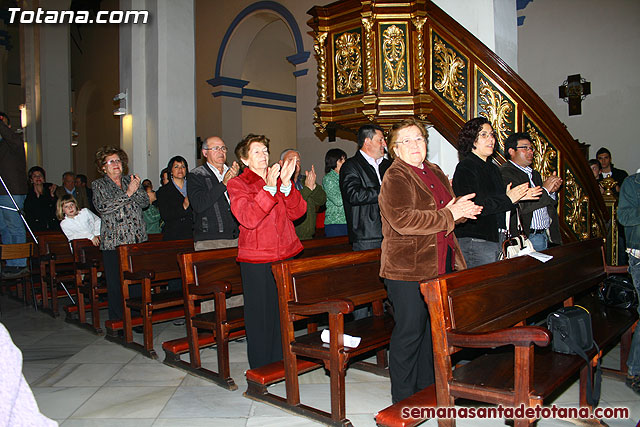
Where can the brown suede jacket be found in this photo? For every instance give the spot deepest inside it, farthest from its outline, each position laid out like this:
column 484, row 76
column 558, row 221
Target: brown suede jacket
column 410, row 223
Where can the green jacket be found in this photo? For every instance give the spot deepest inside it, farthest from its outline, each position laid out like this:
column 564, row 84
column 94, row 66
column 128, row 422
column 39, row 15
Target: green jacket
column 306, row 225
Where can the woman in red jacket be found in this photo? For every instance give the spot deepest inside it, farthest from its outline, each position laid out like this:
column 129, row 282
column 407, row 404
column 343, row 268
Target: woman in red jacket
column 265, row 209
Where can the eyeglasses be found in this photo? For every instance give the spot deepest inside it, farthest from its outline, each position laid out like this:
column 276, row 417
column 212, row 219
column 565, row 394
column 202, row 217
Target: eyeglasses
column 526, row 148
column 417, row 141
column 113, row 162
column 217, row 148
column 487, row 134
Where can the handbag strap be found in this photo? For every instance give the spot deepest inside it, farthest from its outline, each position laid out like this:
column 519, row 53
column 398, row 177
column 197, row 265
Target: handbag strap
column 593, row 394
column 519, row 228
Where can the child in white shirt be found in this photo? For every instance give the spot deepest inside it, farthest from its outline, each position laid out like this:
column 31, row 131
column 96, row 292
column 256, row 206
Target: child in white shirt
column 77, row 225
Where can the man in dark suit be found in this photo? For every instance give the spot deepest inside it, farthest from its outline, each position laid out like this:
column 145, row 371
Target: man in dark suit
column 539, row 217
column 360, row 179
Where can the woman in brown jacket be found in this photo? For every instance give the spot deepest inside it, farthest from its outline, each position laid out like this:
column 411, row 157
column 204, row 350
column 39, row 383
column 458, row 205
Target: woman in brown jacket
column 419, row 212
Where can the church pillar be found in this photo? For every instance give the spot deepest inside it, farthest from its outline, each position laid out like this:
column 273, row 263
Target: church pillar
column 157, row 68
column 46, row 79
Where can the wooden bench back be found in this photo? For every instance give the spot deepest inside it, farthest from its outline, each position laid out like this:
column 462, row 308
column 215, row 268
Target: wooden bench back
column 55, row 243
column 500, row 295
column 220, row 264
column 211, row 265
column 159, row 257
column 85, row 253
column 351, row 275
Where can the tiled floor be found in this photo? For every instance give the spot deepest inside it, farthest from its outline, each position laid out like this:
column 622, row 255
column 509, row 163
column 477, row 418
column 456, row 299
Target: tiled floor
column 80, row 379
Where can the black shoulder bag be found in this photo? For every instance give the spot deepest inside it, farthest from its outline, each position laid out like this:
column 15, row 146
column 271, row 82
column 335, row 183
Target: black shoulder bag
column 572, row 334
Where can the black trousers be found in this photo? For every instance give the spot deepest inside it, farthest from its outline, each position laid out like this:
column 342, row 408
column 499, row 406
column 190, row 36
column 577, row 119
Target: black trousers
column 114, row 288
column 410, row 350
column 261, row 314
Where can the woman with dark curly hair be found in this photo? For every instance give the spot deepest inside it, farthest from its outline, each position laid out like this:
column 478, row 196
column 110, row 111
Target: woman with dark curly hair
column 481, row 239
column 173, row 202
column 40, row 203
column 119, row 198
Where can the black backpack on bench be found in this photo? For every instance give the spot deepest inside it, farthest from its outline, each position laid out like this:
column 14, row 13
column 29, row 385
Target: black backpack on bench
column 572, row 334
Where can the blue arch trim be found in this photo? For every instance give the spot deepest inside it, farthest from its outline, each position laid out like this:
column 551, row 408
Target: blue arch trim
column 264, row 5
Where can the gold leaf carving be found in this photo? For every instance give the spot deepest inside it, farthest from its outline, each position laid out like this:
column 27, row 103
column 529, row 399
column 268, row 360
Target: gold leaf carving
column 348, row 62
column 576, row 206
column 420, row 63
column 321, row 52
column 595, row 227
column 393, row 48
column 496, row 109
column 544, row 156
column 448, row 72
column 370, row 68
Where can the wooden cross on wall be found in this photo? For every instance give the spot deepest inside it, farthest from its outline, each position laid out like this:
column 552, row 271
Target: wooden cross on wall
column 573, row 91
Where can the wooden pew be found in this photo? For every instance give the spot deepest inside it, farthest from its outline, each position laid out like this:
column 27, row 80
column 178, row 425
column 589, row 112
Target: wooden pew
column 487, row 307
column 87, row 258
column 56, row 266
column 150, row 265
column 332, row 285
column 215, row 274
column 87, row 265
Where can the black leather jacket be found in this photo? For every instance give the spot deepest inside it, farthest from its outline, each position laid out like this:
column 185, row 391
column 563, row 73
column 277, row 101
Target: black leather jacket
column 360, row 188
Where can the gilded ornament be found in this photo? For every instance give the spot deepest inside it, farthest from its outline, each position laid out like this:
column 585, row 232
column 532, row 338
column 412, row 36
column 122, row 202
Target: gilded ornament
column 545, row 156
column 595, row 227
column 449, row 75
column 496, row 109
column 420, row 64
column 321, row 53
column 576, row 207
column 348, row 63
column 369, row 52
column 393, row 49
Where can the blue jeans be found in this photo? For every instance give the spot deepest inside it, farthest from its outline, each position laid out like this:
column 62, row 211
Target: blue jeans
column 539, row 241
column 11, row 226
column 333, row 230
column 479, row 251
column 633, row 362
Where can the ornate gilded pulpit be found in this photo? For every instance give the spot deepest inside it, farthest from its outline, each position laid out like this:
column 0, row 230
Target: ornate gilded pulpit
column 382, row 61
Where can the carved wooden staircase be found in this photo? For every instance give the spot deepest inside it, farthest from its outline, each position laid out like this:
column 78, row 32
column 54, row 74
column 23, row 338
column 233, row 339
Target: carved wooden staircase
column 387, row 60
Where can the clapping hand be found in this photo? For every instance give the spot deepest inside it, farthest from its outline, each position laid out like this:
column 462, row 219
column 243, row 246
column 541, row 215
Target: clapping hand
column 552, row 183
column 133, row 185
column 463, row 207
column 272, row 175
column 287, row 170
column 310, row 180
column 232, row 172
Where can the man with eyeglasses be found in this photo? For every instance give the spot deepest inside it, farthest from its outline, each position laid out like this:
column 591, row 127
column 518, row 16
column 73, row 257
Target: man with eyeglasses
column 214, row 225
column 539, row 217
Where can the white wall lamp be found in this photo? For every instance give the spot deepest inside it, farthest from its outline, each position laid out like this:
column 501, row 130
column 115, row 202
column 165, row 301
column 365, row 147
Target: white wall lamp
column 122, row 99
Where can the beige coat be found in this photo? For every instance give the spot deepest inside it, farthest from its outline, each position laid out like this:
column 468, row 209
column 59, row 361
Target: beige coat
column 410, row 223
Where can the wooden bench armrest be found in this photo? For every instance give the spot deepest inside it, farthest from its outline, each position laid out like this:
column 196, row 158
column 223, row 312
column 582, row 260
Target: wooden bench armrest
column 331, row 306
column 139, row 275
column 616, row 269
column 215, row 287
column 519, row 336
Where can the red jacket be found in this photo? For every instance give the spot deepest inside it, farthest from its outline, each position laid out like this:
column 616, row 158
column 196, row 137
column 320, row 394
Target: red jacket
column 267, row 233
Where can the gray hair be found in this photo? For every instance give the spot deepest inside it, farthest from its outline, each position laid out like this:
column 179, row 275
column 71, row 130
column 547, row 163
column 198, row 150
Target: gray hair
column 287, row 150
